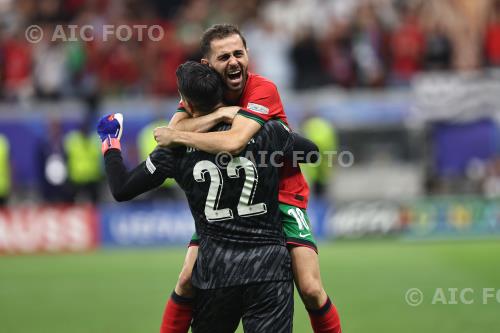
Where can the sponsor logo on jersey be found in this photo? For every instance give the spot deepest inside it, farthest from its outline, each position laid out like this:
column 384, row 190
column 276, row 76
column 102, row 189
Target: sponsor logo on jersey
column 257, row 108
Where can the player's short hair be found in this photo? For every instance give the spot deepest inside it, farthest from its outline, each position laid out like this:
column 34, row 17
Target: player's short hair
column 200, row 85
column 219, row 31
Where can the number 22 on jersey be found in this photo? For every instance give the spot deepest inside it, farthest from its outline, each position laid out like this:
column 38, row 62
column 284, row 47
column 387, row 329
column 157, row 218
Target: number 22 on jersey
column 245, row 206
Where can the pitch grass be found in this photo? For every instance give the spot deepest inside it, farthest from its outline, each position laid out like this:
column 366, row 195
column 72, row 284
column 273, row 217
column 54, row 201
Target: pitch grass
column 125, row 291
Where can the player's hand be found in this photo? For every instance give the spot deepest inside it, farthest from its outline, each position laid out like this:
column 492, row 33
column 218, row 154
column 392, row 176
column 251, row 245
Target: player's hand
column 228, row 113
column 164, row 136
column 110, row 129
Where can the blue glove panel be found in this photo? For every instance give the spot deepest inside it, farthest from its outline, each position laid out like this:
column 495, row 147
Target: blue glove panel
column 110, row 126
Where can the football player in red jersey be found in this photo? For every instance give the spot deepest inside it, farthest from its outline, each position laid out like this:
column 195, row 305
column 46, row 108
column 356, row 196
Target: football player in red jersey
column 257, row 99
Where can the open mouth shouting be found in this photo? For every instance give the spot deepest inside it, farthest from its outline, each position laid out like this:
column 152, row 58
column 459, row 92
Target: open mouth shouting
column 234, row 77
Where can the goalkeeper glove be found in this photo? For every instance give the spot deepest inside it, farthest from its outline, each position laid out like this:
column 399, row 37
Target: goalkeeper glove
column 110, row 130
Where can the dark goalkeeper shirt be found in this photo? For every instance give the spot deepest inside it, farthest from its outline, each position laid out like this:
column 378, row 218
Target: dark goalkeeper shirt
column 234, row 202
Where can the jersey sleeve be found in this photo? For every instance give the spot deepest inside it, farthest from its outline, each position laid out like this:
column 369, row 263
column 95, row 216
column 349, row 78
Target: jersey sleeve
column 162, row 161
column 126, row 185
column 264, row 103
column 281, row 139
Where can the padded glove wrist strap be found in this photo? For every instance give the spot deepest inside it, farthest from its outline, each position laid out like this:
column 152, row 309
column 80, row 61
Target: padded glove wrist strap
column 110, row 143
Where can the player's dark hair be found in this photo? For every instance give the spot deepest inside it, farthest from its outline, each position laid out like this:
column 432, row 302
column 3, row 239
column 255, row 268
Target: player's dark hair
column 200, row 85
column 219, row 31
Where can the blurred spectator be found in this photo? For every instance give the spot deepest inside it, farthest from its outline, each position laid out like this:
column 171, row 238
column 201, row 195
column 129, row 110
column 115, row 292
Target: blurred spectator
column 306, row 60
column 194, row 16
column 76, row 62
column 438, row 50
column 407, row 46
column 83, row 150
column 323, row 134
column 369, row 47
column 52, row 165
column 337, row 53
column 49, row 74
column 271, row 58
column 165, row 56
column 16, row 67
column 5, row 175
column 492, row 37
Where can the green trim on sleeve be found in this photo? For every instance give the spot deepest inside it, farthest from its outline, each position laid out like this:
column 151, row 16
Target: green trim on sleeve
column 181, row 110
column 251, row 116
column 282, row 122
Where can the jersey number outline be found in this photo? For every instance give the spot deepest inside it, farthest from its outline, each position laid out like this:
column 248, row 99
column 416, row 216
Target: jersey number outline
column 245, row 206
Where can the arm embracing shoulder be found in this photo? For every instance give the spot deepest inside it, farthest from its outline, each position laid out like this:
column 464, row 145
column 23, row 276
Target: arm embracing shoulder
column 182, row 121
column 126, row 185
column 232, row 141
column 177, row 119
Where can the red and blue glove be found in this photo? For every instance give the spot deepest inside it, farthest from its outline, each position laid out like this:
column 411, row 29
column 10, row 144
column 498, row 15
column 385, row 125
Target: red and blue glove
column 110, row 130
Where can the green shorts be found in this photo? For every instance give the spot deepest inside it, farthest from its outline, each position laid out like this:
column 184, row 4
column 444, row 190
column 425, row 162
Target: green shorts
column 296, row 226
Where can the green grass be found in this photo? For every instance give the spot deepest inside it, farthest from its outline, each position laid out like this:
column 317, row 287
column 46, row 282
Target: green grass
column 125, row 291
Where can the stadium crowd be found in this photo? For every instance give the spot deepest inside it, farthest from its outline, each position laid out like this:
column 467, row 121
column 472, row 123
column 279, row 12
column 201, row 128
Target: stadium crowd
column 298, row 44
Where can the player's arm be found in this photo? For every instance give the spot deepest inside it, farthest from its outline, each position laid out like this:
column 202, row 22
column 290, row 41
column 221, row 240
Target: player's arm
column 232, row 141
column 289, row 145
column 182, row 121
column 302, row 148
column 126, row 185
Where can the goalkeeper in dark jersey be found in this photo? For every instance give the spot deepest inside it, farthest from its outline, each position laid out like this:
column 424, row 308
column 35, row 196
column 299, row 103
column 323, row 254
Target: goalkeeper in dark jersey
column 243, row 266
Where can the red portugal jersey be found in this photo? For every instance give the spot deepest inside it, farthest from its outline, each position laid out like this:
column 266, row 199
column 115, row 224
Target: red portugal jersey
column 261, row 102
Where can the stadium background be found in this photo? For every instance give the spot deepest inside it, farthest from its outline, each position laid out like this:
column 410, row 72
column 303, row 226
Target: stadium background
column 410, row 88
